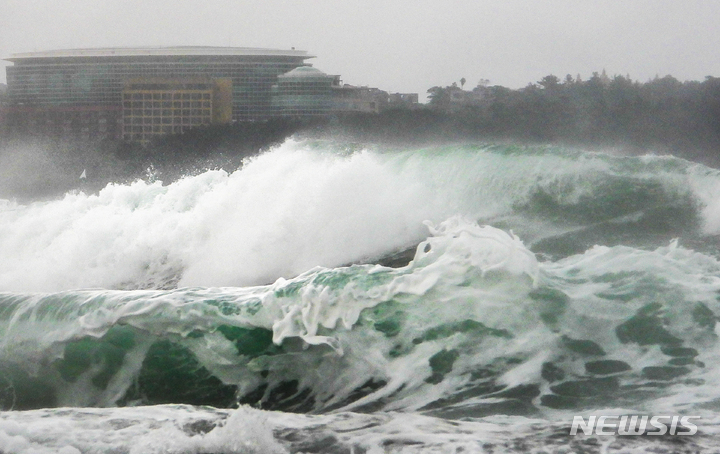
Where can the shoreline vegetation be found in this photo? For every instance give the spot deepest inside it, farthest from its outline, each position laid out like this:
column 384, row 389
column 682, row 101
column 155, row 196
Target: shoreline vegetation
column 663, row 116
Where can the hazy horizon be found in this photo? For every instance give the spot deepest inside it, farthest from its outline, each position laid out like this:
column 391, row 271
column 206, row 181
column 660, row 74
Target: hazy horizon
column 397, row 46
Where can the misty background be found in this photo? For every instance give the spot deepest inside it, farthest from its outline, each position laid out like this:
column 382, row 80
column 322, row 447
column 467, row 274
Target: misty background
column 421, row 47
column 399, row 46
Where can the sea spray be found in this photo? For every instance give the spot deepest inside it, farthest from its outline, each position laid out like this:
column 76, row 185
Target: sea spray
column 303, row 205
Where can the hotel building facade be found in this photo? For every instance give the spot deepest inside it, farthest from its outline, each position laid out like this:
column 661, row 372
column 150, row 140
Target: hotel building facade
column 138, row 93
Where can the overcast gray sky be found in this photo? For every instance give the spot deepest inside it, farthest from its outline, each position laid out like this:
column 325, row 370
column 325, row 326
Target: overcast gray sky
column 405, row 46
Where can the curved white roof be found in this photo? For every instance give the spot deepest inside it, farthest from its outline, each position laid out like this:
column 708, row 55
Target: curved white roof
column 160, row 51
column 304, row 72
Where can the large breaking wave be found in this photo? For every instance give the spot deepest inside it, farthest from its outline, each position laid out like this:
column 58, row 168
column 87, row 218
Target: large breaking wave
column 317, row 204
column 451, row 283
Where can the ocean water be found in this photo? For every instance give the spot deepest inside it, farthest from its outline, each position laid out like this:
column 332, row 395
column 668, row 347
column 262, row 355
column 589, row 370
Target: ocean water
column 338, row 298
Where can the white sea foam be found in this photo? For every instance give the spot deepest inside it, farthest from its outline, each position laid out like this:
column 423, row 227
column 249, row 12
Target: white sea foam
column 286, row 211
column 320, row 307
column 173, row 429
column 473, row 294
column 283, row 213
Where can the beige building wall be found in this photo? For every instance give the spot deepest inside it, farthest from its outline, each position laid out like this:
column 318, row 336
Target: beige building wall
column 155, row 106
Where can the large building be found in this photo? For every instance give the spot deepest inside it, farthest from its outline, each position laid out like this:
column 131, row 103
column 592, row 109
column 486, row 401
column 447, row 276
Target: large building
column 138, row 93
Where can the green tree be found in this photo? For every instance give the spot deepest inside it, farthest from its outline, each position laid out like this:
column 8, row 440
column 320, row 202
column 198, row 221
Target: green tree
column 439, row 98
column 549, row 82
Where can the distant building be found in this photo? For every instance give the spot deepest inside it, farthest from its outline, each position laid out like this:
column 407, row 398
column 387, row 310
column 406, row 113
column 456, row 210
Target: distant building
column 350, row 98
column 403, row 100
column 137, row 93
column 154, row 107
column 303, row 92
